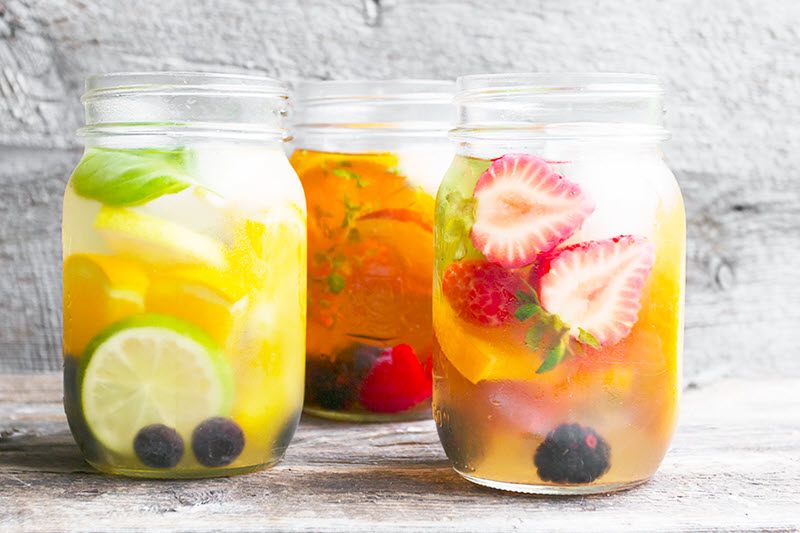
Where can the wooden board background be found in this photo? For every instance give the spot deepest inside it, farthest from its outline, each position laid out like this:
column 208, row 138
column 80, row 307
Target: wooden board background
column 733, row 466
column 732, row 69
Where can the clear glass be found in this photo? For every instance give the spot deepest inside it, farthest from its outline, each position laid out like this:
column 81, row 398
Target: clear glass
column 184, row 240
column 558, row 285
column 370, row 156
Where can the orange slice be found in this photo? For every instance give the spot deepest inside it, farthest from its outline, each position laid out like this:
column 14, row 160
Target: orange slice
column 204, row 296
column 98, row 291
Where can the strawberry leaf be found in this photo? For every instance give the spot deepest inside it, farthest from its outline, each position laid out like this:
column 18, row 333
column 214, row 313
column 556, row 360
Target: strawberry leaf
column 525, row 311
column 534, row 335
column 587, row 338
column 554, row 356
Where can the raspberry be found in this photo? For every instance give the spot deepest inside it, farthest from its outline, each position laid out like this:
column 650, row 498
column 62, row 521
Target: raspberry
column 481, row 293
column 396, row 382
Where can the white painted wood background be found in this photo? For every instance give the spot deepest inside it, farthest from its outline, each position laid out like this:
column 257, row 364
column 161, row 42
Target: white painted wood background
column 732, row 69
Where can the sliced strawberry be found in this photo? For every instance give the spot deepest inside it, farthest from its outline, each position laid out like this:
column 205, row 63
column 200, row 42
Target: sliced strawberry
column 481, row 293
column 396, row 382
column 596, row 285
column 524, row 208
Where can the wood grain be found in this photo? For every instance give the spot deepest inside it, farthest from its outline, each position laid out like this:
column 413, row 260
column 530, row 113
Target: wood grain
column 733, row 466
column 731, row 69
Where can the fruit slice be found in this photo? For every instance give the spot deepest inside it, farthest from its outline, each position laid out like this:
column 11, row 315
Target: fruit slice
column 151, row 369
column 401, row 215
column 480, row 353
column 396, row 382
column 98, row 291
column 157, row 240
column 270, row 248
column 524, row 208
column 596, row 285
column 412, row 242
column 193, row 301
column 481, row 293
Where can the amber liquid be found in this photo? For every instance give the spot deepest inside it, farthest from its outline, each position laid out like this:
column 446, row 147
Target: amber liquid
column 627, row 392
column 370, row 232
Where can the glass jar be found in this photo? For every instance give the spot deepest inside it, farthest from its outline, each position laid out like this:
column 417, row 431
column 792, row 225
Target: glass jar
column 184, row 239
column 558, row 284
column 370, row 155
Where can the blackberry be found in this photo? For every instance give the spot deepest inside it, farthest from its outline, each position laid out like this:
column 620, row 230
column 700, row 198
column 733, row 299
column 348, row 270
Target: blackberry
column 460, row 439
column 572, row 453
column 217, row 441
column 158, row 446
column 334, row 384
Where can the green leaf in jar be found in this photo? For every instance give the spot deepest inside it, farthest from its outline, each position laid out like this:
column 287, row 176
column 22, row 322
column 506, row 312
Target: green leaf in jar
column 129, row 177
column 554, row 355
column 587, row 338
column 335, row 283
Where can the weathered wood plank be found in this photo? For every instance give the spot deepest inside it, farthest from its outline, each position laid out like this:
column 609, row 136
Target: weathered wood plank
column 731, row 69
column 733, row 466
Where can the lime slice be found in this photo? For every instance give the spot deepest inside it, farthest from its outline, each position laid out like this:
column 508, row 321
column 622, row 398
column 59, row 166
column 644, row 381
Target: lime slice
column 157, row 240
column 152, row 369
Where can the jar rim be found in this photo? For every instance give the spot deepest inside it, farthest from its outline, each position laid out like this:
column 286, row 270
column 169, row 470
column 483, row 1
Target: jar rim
column 566, row 83
column 183, row 103
column 166, row 82
column 569, row 105
column 390, row 90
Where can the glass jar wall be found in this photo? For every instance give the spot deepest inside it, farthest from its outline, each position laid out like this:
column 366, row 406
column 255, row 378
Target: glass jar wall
column 558, row 284
column 370, row 156
column 184, row 241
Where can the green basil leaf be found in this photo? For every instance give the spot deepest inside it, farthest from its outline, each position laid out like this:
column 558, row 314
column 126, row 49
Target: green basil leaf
column 129, row 177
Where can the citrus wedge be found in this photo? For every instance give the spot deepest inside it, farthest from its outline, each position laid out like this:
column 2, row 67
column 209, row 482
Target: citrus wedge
column 157, row 240
column 98, row 291
column 479, row 353
column 203, row 296
column 151, row 369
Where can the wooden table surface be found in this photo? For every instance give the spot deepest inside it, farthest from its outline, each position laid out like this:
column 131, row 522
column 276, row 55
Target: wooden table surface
column 734, row 465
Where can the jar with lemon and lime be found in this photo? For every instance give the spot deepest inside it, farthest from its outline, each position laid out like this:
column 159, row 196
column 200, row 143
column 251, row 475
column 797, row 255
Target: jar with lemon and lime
column 184, row 240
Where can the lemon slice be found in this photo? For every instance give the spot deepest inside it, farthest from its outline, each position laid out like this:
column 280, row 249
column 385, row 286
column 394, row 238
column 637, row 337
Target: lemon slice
column 156, row 239
column 151, row 369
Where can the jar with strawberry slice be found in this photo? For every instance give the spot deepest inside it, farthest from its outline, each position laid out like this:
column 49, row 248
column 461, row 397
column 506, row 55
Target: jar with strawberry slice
column 370, row 156
column 558, row 284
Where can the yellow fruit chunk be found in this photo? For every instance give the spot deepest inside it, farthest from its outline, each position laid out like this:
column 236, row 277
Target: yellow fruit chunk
column 157, row 240
column 482, row 353
column 270, row 249
column 203, row 296
column 269, row 374
column 98, row 291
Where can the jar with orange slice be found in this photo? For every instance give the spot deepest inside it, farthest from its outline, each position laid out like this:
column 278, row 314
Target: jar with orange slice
column 370, row 156
column 558, row 284
column 184, row 240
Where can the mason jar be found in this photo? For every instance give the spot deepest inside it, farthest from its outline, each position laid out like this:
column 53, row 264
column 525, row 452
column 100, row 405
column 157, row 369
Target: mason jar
column 184, row 240
column 370, row 155
column 558, row 284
